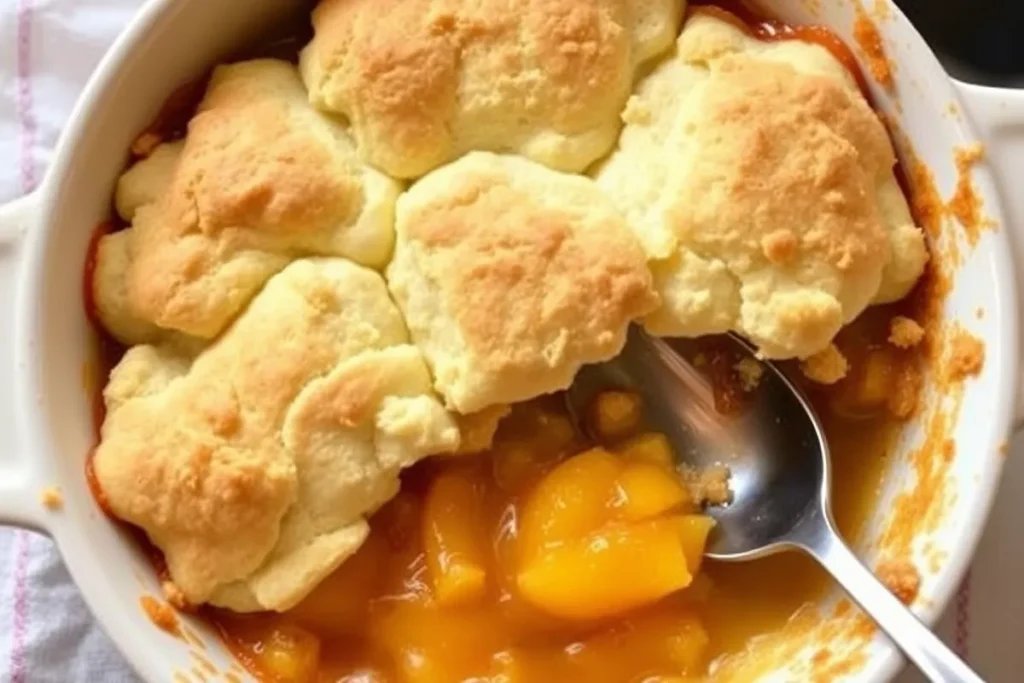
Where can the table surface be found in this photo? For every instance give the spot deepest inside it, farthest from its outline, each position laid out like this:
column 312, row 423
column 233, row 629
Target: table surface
column 48, row 48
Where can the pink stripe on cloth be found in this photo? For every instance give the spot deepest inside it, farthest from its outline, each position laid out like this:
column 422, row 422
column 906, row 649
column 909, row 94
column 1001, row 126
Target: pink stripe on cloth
column 962, row 618
column 26, row 134
column 17, row 664
column 26, row 117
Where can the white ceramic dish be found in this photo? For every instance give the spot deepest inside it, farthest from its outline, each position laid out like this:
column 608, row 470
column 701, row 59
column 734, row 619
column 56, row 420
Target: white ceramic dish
column 46, row 429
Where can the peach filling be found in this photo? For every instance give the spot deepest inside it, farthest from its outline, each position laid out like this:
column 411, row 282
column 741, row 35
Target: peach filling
column 546, row 559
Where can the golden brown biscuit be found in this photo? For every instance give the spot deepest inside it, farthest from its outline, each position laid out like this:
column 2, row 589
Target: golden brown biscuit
column 423, row 81
column 511, row 276
column 349, row 434
column 214, row 458
column 261, row 179
column 110, row 292
column 147, row 180
column 113, row 307
column 761, row 185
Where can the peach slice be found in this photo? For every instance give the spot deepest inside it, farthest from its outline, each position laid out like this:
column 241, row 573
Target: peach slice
column 667, row 645
column 693, row 532
column 573, row 500
column 454, row 541
column 284, row 652
column 432, row 645
column 608, row 572
column 338, row 605
column 649, row 491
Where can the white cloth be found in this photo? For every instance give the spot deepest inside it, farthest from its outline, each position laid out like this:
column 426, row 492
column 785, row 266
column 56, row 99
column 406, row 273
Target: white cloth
column 47, row 50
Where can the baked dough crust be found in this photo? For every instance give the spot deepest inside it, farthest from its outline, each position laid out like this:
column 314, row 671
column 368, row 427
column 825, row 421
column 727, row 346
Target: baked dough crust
column 253, row 466
column 424, row 81
column 761, row 185
column 511, row 276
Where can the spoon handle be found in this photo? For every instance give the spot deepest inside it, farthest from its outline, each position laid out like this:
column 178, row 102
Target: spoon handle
column 936, row 661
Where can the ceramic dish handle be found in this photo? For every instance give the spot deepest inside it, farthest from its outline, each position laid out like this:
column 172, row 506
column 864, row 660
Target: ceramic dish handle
column 19, row 494
column 999, row 115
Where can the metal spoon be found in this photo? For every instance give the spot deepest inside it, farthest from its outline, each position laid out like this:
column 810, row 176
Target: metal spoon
column 778, row 459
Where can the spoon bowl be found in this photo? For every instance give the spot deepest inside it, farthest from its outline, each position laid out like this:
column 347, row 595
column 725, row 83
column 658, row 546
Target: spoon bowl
column 718, row 404
column 767, row 435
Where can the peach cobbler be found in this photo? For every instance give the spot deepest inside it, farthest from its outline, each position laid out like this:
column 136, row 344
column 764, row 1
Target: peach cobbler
column 342, row 296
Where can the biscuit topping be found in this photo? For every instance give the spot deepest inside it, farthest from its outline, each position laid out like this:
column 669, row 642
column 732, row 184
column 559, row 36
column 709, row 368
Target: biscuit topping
column 511, row 276
column 761, row 186
column 423, row 81
column 234, row 462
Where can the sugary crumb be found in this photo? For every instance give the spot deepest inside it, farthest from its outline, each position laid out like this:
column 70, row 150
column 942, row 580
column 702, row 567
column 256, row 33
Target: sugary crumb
column 715, row 484
column 711, row 485
column 901, row 578
column 51, row 498
column 979, row 312
column 966, row 357
column 825, row 367
column 952, row 110
column 1004, row 448
column 866, row 34
column 161, row 614
column 905, row 332
column 750, row 373
column 144, row 145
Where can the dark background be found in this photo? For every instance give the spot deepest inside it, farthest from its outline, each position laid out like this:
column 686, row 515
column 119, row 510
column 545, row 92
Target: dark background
column 980, row 41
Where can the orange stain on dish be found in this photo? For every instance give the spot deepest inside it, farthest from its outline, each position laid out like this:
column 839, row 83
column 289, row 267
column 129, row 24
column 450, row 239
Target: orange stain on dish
column 204, row 663
column 868, row 38
column 965, row 204
column 51, row 498
column 925, row 200
column 882, row 10
column 920, row 508
column 161, row 614
column 192, row 638
column 966, row 355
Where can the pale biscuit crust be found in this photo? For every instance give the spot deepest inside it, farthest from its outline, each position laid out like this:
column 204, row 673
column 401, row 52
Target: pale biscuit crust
column 761, row 184
column 214, row 460
column 423, row 81
column 511, row 276
column 147, row 179
column 349, row 434
column 260, row 179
